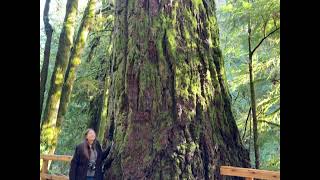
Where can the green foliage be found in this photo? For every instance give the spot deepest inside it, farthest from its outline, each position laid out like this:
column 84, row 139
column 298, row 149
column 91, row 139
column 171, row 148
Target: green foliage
column 233, row 19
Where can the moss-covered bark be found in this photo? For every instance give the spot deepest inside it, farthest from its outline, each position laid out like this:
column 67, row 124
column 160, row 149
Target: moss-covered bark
column 49, row 131
column 46, row 56
column 168, row 101
column 103, row 109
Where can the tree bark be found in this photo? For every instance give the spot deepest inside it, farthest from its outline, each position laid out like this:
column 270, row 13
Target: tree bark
column 75, row 59
column 169, row 111
column 46, row 56
column 49, row 131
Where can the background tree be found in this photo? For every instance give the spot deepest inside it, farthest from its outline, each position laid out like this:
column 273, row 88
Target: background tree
column 46, row 56
column 83, row 110
column 254, row 25
column 75, row 59
column 48, row 126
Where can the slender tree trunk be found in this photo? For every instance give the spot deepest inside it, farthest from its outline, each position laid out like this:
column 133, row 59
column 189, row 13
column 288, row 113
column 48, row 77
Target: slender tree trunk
column 245, row 126
column 75, row 59
column 169, row 111
column 46, row 57
column 49, row 131
column 253, row 100
column 104, row 110
column 96, row 105
column 254, row 116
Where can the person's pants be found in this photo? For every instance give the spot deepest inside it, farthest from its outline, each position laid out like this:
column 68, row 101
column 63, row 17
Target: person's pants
column 90, row 178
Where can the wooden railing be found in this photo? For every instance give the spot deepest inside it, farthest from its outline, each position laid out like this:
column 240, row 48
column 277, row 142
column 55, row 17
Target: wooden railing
column 248, row 173
column 44, row 171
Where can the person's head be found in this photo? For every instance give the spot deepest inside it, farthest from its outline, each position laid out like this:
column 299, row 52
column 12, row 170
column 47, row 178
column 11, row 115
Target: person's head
column 90, row 135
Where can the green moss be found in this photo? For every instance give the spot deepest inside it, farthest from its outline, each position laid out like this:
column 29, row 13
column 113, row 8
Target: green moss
column 146, row 77
column 172, row 34
column 182, row 148
column 103, row 116
column 164, row 121
column 196, row 87
column 59, row 76
column 190, row 18
column 48, row 138
column 118, row 76
column 192, row 147
column 197, row 4
column 188, row 173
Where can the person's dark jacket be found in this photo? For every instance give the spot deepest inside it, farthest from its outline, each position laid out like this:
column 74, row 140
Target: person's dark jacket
column 80, row 160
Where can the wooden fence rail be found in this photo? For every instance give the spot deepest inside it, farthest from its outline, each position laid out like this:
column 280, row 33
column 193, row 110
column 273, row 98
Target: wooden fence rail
column 248, row 173
column 44, row 170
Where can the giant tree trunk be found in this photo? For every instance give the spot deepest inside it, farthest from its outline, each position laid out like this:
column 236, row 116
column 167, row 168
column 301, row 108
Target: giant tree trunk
column 46, row 56
column 75, row 59
column 169, row 110
column 49, row 131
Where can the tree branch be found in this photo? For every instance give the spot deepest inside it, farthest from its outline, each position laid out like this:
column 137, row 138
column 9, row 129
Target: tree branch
column 245, row 126
column 265, row 37
column 236, row 97
column 86, row 76
column 264, row 25
column 249, row 37
column 278, row 109
column 271, row 123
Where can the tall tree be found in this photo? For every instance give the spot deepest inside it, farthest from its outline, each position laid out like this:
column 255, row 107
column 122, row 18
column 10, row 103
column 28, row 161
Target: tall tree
column 169, row 110
column 75, row 59
column 46, row 56
column 252, row 50
column 252, row 90
column 49, row 131
column 260, row 19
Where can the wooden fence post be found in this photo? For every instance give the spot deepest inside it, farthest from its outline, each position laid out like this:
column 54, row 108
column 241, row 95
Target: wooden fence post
column 44, row 167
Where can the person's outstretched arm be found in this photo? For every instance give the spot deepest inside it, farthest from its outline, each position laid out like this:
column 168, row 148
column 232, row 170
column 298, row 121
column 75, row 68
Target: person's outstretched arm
column 106, row 152
column 74, row 164
column 107, row 164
